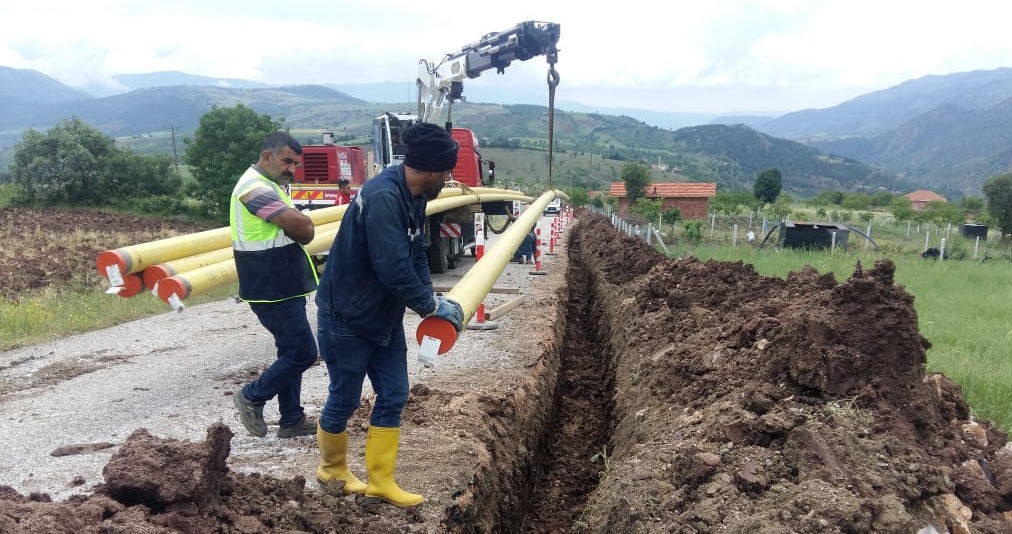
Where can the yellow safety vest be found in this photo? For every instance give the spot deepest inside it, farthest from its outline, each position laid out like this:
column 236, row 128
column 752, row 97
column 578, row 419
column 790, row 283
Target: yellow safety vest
column 271, row 266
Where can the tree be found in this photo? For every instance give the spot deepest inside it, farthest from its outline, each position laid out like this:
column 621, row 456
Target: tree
column 694, row 231
column 972, row 205
column 941, row 213
column 779, row 209
column 856, row 201
column 998, row 192
column 75, row 163
column 577, row 195
column 730, row 203
column 636, row 177
column 767, row 186
column 227, row 141
column 825, row 198
column 137, row 176
column 901, row 208
column 648, row 209
column 671, row 215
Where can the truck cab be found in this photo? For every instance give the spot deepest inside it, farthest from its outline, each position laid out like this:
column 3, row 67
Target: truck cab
column 315, row 183
column 470, row 169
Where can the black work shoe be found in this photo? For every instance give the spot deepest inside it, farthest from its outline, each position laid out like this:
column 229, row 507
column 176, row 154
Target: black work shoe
column 251, row 414
column 305, row 427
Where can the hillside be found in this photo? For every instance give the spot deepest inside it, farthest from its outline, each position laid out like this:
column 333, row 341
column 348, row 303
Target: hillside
column 949, row 133
column 950, row 149
column 31, row 86
column 155, row 109
column 728, row 155
column 882, row 111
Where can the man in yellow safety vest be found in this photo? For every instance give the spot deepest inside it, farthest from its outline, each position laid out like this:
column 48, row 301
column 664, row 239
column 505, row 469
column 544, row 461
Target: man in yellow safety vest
column 275, row 276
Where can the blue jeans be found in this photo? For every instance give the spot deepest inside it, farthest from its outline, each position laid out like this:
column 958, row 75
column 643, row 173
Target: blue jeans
column 293, row 337
column 350, row 358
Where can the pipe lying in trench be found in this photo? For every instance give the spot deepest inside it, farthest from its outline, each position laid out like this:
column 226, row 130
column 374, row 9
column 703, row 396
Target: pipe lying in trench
column 472, row 288
column 174, row 289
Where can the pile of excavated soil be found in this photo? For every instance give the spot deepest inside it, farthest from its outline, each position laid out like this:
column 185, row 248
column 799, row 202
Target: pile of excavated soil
column 753, row 404
column 641, row 394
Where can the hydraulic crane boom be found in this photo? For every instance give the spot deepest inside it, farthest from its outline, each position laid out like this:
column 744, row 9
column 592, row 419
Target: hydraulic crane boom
column 444, row 81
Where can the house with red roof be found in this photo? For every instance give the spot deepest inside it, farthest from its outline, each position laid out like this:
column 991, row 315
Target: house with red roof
column 919, row 199
column 692, row 198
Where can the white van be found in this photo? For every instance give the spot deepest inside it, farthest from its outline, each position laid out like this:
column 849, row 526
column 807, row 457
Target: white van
column 554, row 207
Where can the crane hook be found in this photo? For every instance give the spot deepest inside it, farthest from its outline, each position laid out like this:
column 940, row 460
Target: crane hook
column 553, row 75
column 553, row 81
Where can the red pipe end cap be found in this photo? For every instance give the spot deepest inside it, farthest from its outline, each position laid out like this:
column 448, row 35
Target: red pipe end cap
column 133, row 284
column 173, row 290
column 437, row 328
column 111, row 258
column 155, row 274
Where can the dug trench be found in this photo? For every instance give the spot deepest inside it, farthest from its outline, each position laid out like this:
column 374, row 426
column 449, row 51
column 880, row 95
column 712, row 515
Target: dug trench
column 666, row 395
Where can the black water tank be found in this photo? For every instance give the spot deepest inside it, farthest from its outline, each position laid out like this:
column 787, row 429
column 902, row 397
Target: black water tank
column 815, row 236
column 973, row 230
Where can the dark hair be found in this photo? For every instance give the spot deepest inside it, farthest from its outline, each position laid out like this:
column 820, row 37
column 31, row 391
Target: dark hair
column 278, row 140
column 343, row 181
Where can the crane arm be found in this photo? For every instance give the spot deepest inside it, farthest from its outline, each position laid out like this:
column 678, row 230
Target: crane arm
column 443, row 81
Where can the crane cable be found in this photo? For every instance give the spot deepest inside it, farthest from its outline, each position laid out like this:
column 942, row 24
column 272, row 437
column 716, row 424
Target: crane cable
column 553, row 81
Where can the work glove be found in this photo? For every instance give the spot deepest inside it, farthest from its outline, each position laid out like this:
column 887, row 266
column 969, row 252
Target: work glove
column 449, row 310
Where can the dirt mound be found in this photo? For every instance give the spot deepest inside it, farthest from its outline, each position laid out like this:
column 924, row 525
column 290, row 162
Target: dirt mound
column 755, row 404
column 156, row 486
column 689, row 396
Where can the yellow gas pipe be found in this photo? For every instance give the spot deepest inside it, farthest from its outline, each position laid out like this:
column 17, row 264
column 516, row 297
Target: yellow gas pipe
column 156, row 273
column 174, row 289
column 447, row 203
column 113, row 264
column 472, row 288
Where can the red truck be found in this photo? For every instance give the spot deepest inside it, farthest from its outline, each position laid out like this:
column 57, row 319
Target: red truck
column 315, row 182
column 450, row 233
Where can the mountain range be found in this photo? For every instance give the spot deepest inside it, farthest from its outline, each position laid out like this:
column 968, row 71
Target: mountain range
column 947, row 133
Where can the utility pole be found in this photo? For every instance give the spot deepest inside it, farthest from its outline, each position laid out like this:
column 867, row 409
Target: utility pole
column 175, row 156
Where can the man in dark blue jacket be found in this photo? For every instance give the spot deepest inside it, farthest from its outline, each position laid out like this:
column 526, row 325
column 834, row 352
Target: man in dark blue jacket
column 376, row 268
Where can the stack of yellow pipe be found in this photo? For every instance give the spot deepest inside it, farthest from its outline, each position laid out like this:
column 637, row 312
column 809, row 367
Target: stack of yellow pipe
column 180, row 267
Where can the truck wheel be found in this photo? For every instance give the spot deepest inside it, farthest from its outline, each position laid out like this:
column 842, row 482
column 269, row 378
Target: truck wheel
column 438, row 262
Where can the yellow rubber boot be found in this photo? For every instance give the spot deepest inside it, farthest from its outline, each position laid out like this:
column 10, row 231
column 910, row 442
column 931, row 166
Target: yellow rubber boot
column 380, row 459
column 334, row 461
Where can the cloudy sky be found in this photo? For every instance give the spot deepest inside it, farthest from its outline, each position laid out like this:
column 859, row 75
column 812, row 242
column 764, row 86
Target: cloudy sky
column 713, row 56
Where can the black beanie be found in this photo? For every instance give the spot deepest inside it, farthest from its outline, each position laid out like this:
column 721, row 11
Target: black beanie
column 430, row 148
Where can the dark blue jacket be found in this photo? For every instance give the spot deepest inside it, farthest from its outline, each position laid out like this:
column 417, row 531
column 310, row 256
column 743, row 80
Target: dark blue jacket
column 378, row 265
